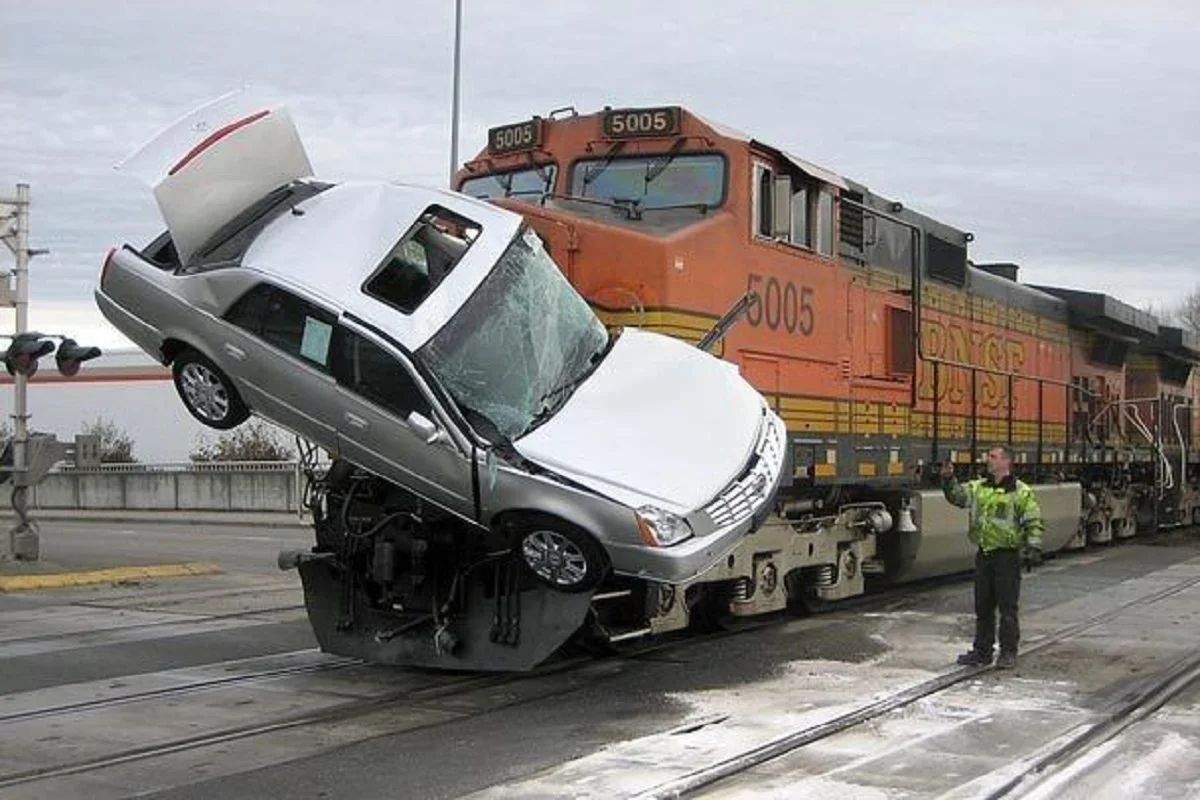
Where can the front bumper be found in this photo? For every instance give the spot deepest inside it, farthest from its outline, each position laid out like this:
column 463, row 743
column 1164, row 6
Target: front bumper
column 742, row 507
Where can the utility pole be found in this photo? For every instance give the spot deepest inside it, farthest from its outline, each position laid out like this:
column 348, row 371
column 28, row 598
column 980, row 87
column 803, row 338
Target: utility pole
column 454, row 110
column 14, row 229
column 30, row 460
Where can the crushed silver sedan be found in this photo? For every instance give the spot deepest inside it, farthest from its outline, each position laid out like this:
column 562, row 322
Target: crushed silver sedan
column 430, row 343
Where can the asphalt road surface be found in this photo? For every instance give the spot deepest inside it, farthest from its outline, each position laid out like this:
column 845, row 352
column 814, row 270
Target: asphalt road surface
column 237, row 548
column 212, row 687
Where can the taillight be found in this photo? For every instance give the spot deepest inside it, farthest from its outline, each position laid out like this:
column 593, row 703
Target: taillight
column 108, row 257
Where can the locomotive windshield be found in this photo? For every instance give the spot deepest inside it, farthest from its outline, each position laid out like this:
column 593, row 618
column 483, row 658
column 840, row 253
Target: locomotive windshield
column 523, row 184
column 520, row 344
column 661, row 181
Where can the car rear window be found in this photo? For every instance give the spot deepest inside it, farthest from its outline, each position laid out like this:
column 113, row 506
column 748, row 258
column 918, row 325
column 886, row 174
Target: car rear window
column 422, row 259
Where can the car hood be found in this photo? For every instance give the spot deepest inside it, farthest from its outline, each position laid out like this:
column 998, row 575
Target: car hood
column 659, row 422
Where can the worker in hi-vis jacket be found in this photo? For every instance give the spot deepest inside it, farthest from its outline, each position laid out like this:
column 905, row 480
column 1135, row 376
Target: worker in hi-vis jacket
column 1006, row 526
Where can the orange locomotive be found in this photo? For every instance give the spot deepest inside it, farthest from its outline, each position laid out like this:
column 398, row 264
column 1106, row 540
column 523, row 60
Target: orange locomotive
column 883, row 347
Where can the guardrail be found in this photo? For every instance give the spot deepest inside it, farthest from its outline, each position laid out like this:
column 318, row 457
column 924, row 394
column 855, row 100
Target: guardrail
column 185, row 466
column 200, row 486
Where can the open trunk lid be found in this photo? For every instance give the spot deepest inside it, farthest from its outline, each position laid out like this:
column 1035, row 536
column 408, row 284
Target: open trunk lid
column 216, row 162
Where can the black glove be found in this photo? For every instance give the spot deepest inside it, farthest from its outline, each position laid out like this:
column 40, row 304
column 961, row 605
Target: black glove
column 1031, row 557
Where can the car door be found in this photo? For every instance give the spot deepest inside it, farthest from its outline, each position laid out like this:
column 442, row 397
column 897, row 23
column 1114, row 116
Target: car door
column 378, row 396
column 277, row 347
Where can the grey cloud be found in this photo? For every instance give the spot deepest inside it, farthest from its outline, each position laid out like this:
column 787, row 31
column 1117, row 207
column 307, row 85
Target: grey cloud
column 1064, row 135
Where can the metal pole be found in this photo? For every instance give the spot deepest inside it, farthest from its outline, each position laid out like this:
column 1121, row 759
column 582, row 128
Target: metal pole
column 454, row 112
column 17, row 540
column 21, row 304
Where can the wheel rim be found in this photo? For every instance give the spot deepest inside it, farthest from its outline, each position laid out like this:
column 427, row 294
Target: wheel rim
column 204, row 391
column 554, row 558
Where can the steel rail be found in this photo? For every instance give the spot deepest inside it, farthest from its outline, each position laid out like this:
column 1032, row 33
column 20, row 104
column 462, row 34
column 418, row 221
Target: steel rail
column 181, row 689
column 780, row 746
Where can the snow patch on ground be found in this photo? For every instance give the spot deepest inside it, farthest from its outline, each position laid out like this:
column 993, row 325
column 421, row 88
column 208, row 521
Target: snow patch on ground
column 739, row 718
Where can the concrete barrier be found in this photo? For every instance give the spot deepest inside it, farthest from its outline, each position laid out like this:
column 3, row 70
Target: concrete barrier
column 264, row 491
column 155, row 491
column 203, row 491
column 243, row 487
column 98, row 490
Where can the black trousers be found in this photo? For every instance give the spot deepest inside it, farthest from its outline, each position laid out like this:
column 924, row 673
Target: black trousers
column 997, row 586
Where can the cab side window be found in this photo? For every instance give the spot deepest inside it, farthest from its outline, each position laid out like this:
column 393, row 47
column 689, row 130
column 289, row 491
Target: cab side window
column 283, row 320
column 376, row 375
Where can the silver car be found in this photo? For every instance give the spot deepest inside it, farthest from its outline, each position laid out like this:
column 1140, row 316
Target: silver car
column 430, row 339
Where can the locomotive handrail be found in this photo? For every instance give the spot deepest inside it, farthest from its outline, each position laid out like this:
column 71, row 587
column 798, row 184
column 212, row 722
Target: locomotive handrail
column 1183, row 450
column 917, row 282
column 917, row 301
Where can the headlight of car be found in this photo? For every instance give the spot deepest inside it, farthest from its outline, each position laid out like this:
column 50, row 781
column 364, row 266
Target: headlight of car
column 662, row 528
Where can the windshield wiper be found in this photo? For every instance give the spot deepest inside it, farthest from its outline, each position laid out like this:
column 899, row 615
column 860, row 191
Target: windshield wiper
column 592, row 173
column 565, row 388
column 653, row 171
column 630, row 212
column 701, row 207
column 542, row 173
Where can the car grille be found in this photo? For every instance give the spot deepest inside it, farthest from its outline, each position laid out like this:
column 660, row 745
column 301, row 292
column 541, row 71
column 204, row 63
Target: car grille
column 739, row 500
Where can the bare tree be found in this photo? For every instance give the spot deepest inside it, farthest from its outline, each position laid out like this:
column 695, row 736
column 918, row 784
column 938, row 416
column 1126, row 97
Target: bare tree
column 1188, row 311
column 253, row 441
column 116, row 445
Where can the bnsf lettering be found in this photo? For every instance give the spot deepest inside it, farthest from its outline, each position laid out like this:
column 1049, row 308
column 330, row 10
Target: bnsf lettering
column 781, row 305
column 988, row 350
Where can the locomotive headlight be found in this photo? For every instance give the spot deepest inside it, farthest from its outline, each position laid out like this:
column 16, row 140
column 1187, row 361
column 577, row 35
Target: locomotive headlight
column 662, row 528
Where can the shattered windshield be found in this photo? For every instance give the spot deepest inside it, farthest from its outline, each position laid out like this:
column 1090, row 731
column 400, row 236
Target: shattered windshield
column 527, row 184
column 665, row 180
column 521, row 343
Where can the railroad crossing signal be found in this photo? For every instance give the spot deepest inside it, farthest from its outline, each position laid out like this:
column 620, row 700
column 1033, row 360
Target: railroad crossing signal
column 21, row 357
column 23, row 353
column 71, row 355
column 21, row 361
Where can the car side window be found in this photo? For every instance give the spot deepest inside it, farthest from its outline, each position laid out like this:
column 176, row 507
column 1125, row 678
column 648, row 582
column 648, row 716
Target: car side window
column 250, row 309
column 368, row 370
column 280, row 318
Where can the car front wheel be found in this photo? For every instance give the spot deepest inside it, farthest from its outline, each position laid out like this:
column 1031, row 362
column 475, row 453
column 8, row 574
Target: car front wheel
column 561, row 556
column 207, row 392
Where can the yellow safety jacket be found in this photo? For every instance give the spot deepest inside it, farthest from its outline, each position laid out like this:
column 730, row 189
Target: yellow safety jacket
column 1003, row 516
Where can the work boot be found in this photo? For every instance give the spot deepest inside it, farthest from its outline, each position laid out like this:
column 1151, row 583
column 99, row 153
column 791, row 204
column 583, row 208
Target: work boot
column 974, row 658
column 1007, row 660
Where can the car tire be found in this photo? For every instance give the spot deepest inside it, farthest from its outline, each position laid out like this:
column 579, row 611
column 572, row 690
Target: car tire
column 560, row 555
column 207, row 392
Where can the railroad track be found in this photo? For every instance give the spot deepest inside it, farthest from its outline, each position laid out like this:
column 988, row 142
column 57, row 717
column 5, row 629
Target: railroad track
column 337, row 713
column 1037, row 771
column 414, row 696
column 1178, row 678
column 333, row 663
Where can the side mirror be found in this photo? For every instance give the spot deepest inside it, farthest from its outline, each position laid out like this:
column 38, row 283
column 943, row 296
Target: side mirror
column 426, row 428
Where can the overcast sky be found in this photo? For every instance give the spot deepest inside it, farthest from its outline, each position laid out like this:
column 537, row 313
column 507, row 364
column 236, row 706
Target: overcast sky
column 1066, row 136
